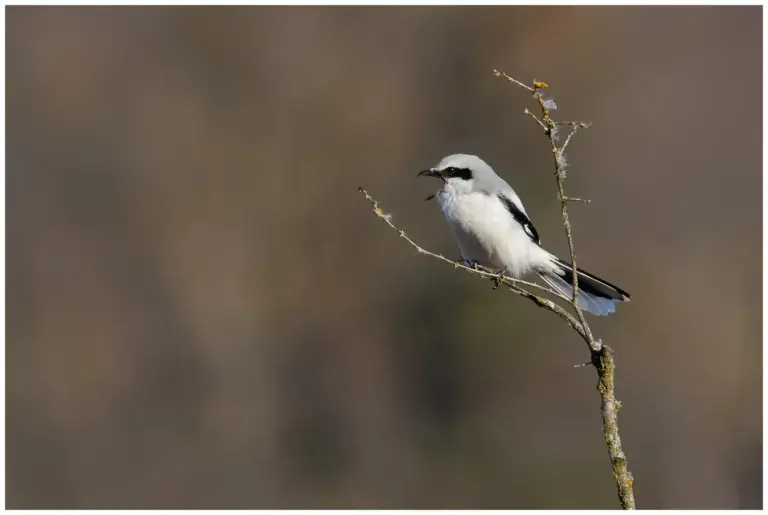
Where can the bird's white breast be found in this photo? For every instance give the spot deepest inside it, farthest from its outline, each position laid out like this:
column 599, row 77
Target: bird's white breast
column 487, row 232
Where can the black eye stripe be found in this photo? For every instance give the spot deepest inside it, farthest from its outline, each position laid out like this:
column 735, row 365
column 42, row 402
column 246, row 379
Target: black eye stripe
column 461, row 173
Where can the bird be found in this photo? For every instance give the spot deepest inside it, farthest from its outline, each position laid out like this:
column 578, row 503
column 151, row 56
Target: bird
column 492, row 229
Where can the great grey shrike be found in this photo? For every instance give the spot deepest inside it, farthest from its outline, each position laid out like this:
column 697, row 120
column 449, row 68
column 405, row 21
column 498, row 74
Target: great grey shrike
column 492, row 229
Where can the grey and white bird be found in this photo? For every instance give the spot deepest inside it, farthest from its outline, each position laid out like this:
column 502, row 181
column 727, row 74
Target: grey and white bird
column 492, row 229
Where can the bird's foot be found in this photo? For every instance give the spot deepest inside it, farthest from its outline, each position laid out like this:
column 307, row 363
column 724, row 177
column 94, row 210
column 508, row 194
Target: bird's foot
column 497, row 279
column 469, row 263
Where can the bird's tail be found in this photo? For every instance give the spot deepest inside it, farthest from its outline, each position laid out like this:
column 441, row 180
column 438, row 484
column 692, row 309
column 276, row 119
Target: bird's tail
column 596, row 296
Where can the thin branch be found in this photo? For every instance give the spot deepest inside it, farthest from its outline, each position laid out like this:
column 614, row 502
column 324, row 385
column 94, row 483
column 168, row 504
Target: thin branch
column 576, row 126
column 514, row 81
column 541, row 124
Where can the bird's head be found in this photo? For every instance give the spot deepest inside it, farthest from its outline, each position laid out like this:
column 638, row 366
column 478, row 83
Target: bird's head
column 459, row 173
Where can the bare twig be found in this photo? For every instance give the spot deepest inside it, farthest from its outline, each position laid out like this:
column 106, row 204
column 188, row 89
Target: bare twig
column 514, row 81
column 575, row 127
column 541, row 124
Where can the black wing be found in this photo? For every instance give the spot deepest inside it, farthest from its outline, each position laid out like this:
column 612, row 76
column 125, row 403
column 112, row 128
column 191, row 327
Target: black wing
column 521, row 218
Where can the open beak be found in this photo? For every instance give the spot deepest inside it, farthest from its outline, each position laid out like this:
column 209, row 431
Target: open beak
column 430, row 173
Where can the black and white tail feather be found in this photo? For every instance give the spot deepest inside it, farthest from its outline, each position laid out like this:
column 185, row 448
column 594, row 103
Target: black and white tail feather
column 596, row 295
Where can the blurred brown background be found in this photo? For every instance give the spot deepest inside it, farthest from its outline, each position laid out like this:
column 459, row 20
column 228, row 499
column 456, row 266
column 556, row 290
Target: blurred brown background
column 204, row 313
